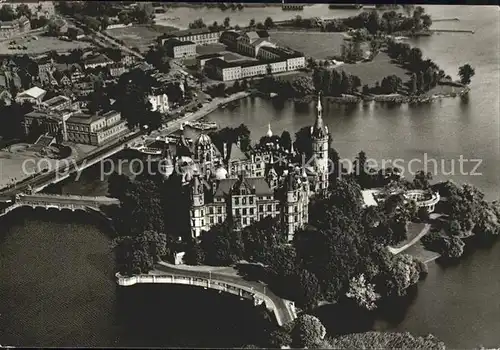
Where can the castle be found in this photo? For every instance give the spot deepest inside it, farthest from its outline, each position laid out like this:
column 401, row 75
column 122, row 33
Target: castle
column 248, row 186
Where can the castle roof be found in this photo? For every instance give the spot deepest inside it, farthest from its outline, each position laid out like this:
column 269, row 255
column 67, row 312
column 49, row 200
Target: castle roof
column 319, row 130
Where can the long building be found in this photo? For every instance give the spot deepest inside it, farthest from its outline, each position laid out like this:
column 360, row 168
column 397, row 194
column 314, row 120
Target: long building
column 199, row 36
column 285, row 61
column 74, row 125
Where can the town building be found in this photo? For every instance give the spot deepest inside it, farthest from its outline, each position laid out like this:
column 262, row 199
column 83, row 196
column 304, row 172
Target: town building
column 78, row 126
column 57, row 103
column 179, row 49
column 11, row 28
column 117, row 69
column 199, row 36
column 249, row 43
column 94, row 129
column 34, row 95
column 202, row 59
column 97, row 61
column 159, row 101
column 230, row 39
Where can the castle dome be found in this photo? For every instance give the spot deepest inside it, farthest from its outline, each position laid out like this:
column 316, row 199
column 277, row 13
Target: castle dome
column 220, row 173
column 204, row 140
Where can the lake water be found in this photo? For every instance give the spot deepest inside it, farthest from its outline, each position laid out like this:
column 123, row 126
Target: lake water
column 57, row 272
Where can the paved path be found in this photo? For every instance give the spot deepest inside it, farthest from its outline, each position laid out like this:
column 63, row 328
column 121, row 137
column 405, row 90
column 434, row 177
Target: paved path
column 417, row 238
column 283, row 309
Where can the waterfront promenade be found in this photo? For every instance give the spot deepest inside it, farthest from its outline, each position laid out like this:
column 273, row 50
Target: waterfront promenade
column 226, row 279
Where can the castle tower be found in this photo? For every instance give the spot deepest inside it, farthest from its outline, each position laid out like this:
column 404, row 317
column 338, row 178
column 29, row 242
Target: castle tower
column 319, row 137
column 204, row 152
column 197, row 212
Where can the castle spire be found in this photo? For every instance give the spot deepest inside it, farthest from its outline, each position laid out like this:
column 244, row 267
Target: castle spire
column 269, row 131
column 319, row 130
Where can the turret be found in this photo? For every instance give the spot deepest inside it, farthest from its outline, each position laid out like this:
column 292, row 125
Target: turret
column 269, row 131
column 197, row 192
column 319, row 137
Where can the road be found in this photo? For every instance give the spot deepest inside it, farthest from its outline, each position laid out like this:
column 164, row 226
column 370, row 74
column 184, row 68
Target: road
column 42, row 178
column 282, row 309
column 103, row 37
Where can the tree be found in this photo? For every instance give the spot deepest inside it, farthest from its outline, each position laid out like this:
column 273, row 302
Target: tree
column 422, row 179
column 7, row 13
column 390, row 84
column 386, row 340
column 198, row 23
column 23, row 10
column 244, row 84
column 423, row 214
column 194, row 254
column 363, row 292
column 227, row 22
column 307, row 291
column 401, row 272
column 466, row 72
column 279, row 338
column 222, row 245
column 251, row 23
column 286, row 140
column 118, row 185
column 454, row 247
column 308, row 330
column 105, row 22
column 260, row 238
column 268, row 23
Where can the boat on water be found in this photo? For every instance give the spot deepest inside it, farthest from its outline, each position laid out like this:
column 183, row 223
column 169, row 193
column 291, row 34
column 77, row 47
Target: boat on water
column 202, row 125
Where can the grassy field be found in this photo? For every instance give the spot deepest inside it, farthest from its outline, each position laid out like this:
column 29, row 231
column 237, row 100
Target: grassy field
column 317, row 45
column 139, row 36
column 43, row 44
column 376, row 70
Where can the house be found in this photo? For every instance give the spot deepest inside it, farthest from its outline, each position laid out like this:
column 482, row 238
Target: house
column 178, row 49
column 45, row 64
column 34, row 95
column 97, row 61
column 117, row 69
column 74, row 71
column 5, row 97
column 159, row 101
column 128, row 60
column 222, row 70
column 64, row 80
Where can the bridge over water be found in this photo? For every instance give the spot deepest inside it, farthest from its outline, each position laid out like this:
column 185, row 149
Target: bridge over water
column 283, row 310
column 60, row 202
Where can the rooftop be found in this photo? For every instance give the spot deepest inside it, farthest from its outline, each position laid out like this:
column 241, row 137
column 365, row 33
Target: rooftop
column 188, row 32
column 176, row 42
column 258, row 183
column 209, row 55
column 55, row 101
column 98, row 59
column 34, row 92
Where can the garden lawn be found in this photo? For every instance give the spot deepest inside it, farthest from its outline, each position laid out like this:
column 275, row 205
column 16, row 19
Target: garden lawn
column 139, row 36
column 319, row 45
column 376, row 70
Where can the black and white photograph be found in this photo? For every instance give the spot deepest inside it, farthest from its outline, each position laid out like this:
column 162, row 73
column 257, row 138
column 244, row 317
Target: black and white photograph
column 249, row 175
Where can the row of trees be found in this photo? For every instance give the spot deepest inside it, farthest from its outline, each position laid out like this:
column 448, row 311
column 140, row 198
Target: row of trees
column 332, row 82
column 390, row 22
column 307, row 331
column 8, row 13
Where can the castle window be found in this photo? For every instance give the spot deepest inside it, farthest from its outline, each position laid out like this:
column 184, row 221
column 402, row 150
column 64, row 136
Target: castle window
column 244, row 211
column 219, row 210
column 261, row 208
column 269, row 207
column 211, row 220
column 244, row 200
column 251, row 200
column 237, row 212
column 251, row 211
column 202, row 222
column 202, row 212
column 236, row 201
column 219, row 219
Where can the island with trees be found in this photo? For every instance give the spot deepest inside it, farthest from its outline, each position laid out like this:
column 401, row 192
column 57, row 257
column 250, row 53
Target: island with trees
column 371, row 39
